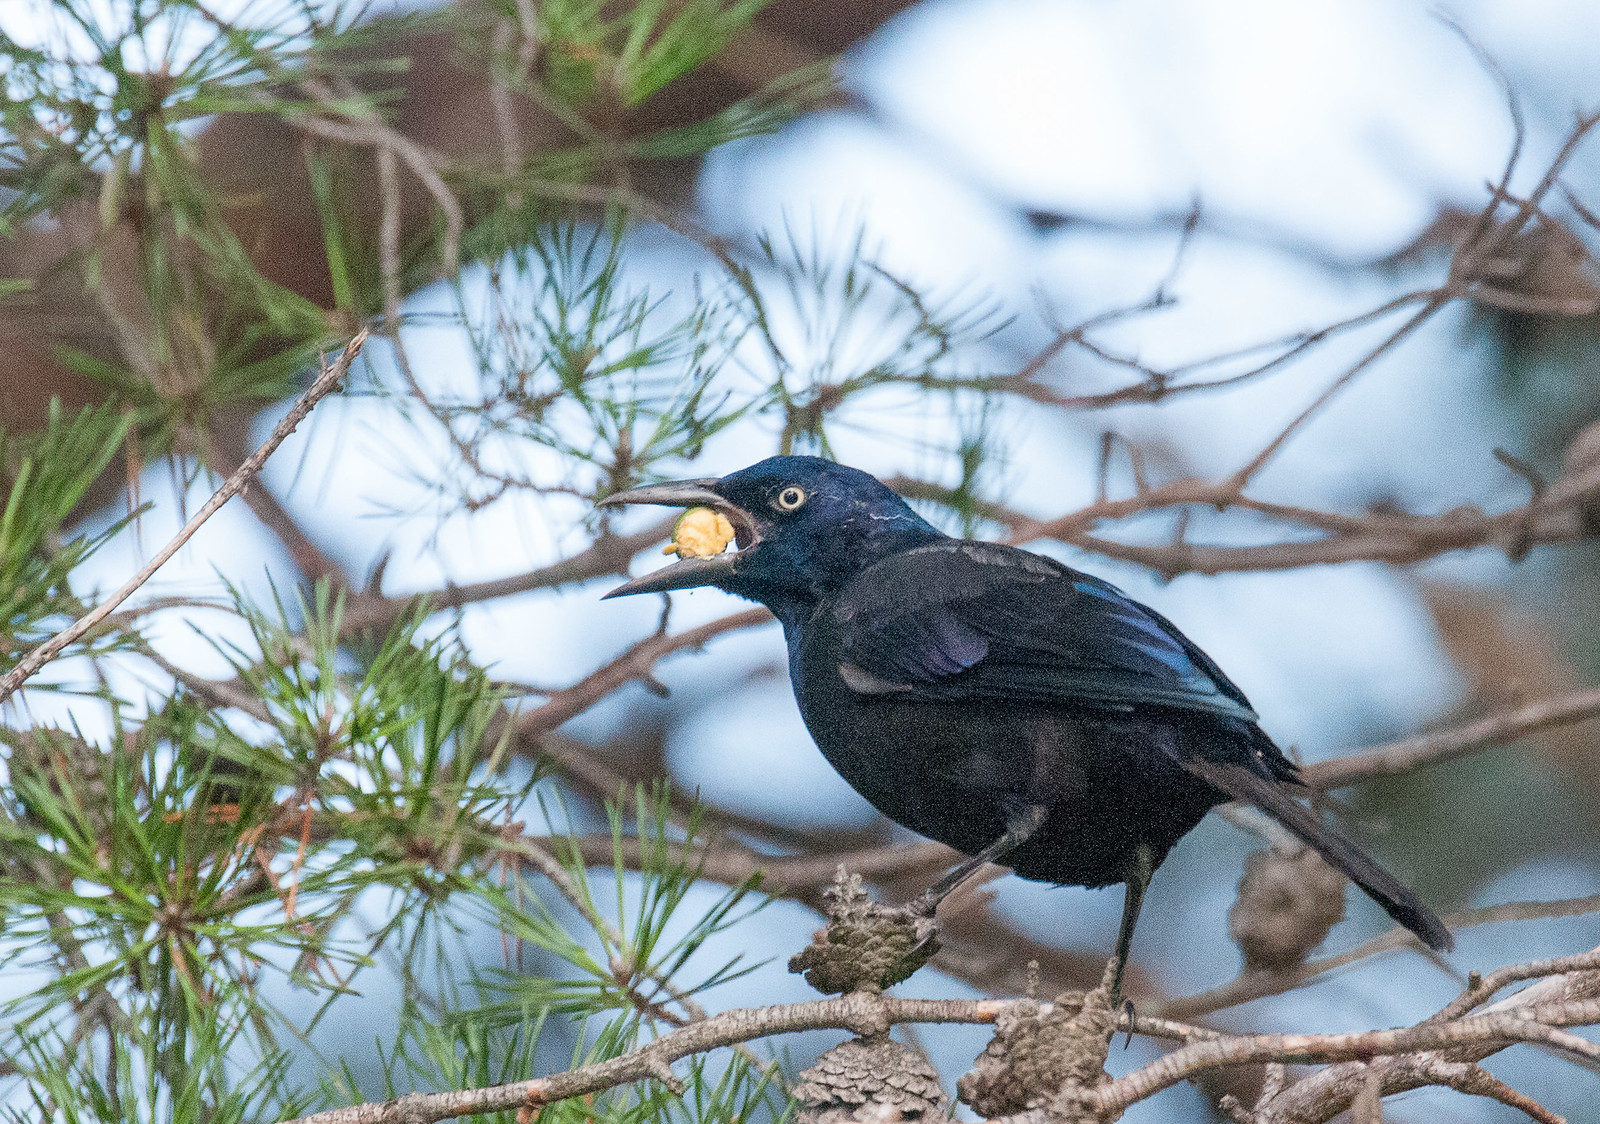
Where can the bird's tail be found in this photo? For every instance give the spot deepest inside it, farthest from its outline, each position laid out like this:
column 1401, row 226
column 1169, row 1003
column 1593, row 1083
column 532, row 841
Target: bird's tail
column 1398, row 900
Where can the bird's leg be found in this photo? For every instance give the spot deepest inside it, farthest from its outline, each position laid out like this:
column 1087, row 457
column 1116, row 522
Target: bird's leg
column 1020, row 827
column 1141, row 866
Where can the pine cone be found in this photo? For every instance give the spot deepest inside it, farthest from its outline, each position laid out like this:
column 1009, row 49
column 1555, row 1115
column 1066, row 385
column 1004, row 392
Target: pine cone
column 1286, row 905
column 1040, row 1054
column 865, row 945
column 870, row 1080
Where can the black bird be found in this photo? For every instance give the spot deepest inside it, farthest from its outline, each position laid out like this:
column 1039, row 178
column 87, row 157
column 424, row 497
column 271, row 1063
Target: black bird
column 1021, row 711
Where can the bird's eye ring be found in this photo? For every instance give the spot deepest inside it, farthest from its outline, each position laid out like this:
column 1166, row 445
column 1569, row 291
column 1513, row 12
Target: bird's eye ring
column 790, row 498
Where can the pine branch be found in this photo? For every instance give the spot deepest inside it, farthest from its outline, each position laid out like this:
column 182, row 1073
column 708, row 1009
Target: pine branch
column 1528, row 1018
column 324, row 385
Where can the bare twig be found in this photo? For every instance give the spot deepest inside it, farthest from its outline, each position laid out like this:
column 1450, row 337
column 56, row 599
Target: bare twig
column 1474, row 1080
column 224, row 455
column 1467, row 270
column 324, row 385
column 1447, row 745
column 608, row 554
column 1482, row 988
column 1250, row 986
column 1557, row 515
column 731, row 863
column 636, row 663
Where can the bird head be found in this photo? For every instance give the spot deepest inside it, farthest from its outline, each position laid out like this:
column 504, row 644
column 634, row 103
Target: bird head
column 803, row 526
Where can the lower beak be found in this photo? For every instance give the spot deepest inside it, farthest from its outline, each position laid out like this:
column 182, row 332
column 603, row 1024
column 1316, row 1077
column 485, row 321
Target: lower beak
column 687, row 573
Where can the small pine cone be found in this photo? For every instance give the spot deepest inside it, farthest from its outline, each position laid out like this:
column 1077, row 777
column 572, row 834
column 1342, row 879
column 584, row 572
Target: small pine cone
column 1286, row 905
column 1040, row 1054
column 865, row 945
column 871, row 1081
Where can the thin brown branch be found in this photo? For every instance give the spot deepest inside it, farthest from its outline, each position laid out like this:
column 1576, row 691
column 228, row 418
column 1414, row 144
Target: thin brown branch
column 1159, row 385
column 636, row 663
column 1474, row 1080
column 731, row 863
column 1399, row 538
column 608, row 554
column 1394, row 339
column 1446, row 745
column 1250, row 986
column 324, row 385
column 582, row 765
column 1467, row 271
column 1556, row 515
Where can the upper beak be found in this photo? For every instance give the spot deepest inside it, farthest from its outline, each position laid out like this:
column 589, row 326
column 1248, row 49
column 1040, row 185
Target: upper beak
column 686, row 573
column 674, row 493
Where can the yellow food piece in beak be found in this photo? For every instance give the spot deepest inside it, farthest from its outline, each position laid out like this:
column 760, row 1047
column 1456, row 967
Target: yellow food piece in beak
column 699, row 533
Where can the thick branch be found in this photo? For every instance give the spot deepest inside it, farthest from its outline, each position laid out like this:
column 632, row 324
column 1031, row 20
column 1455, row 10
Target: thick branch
column 867, row 1014
column 1497, row 1030
column 1325, row 1094
column 861, row 1013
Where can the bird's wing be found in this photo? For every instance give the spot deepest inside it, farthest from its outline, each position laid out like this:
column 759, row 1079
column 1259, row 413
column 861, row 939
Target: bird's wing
column 955, row 620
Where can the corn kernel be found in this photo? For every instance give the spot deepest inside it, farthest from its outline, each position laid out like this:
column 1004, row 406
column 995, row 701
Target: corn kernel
column 699, row 533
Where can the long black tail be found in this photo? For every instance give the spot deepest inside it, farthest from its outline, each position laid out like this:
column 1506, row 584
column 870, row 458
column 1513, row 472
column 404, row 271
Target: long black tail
column 1273, row 797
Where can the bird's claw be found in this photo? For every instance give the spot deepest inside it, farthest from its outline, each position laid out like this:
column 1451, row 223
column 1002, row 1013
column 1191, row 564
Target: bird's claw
column 925, row 947
column 919, row 912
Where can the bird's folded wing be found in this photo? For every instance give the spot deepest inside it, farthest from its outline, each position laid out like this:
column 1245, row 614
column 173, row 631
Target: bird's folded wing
column 961, row 620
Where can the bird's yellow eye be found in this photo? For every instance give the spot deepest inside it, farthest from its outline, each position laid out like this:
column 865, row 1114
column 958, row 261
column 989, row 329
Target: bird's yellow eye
column 790, row 498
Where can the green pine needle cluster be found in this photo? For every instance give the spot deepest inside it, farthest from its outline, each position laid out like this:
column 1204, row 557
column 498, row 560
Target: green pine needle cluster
column 198, row 872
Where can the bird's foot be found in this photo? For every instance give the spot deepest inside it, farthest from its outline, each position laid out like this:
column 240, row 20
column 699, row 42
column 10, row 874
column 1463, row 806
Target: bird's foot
column 927, row 943
column 916, row 916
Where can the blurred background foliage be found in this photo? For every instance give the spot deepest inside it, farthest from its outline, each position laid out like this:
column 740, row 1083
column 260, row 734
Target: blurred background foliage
column 366, row 793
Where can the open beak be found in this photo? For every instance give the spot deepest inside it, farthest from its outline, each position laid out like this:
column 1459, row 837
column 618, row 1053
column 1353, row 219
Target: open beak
column 687, row 573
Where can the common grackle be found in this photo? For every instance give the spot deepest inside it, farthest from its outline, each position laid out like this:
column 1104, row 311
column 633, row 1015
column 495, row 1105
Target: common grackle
column 1005, row 704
